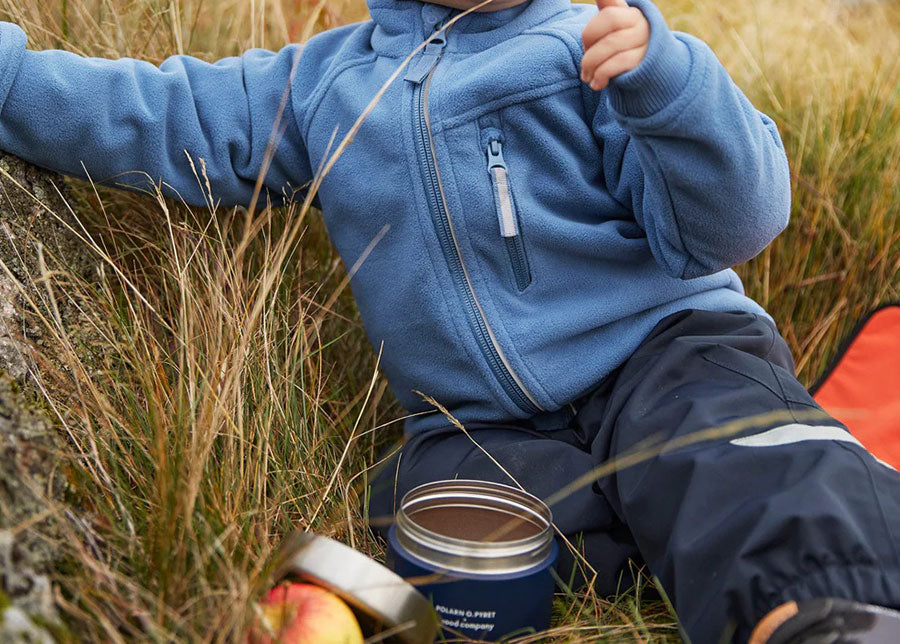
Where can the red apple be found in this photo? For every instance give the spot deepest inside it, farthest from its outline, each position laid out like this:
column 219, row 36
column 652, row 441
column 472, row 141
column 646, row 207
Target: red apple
column 305, row 614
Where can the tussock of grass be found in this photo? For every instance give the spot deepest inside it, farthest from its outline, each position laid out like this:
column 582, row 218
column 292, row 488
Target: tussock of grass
column 238, row 399
column 214, row 426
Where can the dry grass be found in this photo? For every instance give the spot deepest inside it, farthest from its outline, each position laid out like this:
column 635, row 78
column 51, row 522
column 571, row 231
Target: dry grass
column 237, row 399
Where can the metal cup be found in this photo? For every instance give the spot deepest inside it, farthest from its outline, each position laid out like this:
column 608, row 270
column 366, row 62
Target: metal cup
column 387, row 607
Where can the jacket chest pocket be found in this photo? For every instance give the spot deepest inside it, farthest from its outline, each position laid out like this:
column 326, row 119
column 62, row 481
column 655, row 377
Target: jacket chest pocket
column 508, row 220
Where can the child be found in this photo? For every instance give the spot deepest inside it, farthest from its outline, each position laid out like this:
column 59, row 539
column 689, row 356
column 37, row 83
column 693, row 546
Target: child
column 566, row 190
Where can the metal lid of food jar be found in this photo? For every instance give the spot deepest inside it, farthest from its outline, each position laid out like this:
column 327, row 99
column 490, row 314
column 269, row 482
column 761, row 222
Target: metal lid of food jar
column 380, row 598
column 475, row 527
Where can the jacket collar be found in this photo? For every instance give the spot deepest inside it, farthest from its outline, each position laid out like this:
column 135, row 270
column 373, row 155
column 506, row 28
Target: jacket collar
column 401, row 25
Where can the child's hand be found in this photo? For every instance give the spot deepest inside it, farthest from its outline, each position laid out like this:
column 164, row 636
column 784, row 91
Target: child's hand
column 615, row 41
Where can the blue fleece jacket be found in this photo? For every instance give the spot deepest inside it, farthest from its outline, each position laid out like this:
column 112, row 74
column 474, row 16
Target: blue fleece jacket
column 538, row 229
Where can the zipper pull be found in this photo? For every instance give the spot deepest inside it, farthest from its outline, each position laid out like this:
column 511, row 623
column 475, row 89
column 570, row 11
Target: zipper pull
column 506, row 212
column 495, row 154
column 419, row 71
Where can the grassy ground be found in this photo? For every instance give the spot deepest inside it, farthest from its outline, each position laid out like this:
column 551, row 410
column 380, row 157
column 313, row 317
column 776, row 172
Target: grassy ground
column 239, row 399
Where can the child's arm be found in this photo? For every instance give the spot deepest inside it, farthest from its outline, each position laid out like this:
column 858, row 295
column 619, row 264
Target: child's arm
column 119, row 119
column 704, row 172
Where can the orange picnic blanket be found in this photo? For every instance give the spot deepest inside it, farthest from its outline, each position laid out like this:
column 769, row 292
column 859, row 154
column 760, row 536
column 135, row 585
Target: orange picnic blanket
column 862, row 388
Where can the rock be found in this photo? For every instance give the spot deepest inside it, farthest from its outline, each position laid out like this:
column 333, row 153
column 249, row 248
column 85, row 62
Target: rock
column 35, row 235
column 28, row 475
column 12, row 361
column 35, row 221
column 16, row 626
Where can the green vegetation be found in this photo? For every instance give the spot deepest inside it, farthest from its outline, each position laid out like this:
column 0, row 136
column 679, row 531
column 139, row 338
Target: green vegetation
column 238, row 398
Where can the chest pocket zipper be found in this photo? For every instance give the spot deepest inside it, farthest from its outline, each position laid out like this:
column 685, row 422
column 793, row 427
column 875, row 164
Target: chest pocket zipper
column 506, row 214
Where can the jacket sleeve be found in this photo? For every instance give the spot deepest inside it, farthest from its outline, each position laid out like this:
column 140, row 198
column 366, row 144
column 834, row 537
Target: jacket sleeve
column 128, row 122
column 704, row 172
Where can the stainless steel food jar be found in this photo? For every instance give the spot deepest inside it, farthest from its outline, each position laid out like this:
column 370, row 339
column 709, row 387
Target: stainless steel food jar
column 482, row 552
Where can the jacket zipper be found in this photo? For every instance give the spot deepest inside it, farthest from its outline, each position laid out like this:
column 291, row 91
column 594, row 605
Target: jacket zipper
column 420, row 75
column 506, row 214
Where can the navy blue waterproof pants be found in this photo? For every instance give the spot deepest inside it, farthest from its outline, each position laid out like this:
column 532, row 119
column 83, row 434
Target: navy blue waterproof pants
column 732, row 525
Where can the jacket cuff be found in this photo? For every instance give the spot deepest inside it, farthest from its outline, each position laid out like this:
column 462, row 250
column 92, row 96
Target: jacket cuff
column 12, row 49
column 661, row 76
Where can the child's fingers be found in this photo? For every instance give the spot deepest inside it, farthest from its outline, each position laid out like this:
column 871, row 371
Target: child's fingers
column 608, row 21
column 617, row 41
column 604, row 4
column 622, row 62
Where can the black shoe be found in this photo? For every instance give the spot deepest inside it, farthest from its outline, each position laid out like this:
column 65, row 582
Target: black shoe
column 838, row 621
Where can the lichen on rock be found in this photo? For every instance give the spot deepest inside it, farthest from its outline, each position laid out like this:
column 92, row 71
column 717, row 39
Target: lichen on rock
column 28, row 478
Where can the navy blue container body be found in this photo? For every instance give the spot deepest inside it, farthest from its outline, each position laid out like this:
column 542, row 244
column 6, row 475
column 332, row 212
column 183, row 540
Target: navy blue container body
column 483, row 606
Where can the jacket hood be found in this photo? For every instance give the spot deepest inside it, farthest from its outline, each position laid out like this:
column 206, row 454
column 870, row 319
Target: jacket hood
column 494, row 5
column 400, row 25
